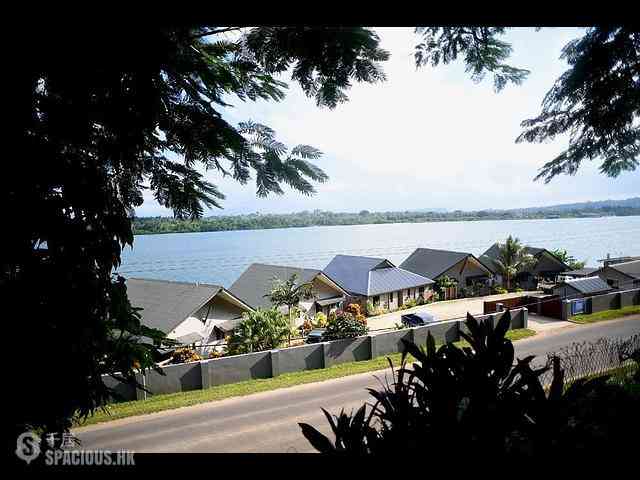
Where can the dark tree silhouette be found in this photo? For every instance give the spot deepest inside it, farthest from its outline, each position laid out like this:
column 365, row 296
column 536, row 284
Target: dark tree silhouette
column 596, row 102
column 112, row 112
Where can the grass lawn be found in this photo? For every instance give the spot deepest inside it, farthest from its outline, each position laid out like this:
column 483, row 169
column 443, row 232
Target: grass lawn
column 607, row 314
column 183, row 399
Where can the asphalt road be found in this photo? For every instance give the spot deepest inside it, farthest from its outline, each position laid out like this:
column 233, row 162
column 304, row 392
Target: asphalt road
column 267, row 422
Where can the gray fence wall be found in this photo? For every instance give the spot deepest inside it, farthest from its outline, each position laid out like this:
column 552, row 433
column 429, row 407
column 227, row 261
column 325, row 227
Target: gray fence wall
column 238, row 368
column 609, row 301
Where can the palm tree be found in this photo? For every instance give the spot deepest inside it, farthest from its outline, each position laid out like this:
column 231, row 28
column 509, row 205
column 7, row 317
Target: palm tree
column 289, row 294
column 512, row 259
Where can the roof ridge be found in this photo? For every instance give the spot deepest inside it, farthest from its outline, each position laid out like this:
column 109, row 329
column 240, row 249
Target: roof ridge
column 284, row 266
column 176, row 282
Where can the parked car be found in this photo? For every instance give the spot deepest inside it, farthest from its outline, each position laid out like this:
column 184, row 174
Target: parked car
column 316, row 335
column 418, row 319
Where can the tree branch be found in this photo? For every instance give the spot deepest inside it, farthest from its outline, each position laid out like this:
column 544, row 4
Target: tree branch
column 214, row 32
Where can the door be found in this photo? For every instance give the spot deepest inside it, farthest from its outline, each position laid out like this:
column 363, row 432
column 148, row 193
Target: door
column 400, row 299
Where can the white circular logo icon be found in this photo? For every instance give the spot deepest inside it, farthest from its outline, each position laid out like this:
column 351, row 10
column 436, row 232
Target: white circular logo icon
column 28, row 447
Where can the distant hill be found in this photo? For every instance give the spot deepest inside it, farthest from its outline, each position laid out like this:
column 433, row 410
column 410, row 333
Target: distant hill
column 630, row 206
column 567, row 207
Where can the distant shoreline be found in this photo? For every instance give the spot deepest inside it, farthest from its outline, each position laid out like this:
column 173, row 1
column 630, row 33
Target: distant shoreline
column 166, row 225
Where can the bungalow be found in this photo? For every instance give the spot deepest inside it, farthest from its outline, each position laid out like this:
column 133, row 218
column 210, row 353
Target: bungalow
column 377, row 280
column 464, row 267
column 581, row 287
column 187, row 312
column 546, row 266
column 624, row 275
column 258, row 279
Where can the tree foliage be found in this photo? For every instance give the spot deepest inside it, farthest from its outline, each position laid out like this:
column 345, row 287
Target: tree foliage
column 259, row 330
column 289, row 292
column 568, row 260
column 595, row 102
column 483, row 52
column 112, row 112
column 512, row 259
column 475, row 400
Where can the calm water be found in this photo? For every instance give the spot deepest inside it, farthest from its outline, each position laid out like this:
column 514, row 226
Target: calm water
column 220, row 257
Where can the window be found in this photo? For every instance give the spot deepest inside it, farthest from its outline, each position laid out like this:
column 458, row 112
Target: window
column 391, row 297
column 376, row 300
column 421, row 292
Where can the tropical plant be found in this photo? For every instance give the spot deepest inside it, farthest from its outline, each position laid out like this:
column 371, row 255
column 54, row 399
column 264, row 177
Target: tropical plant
column 512, row 259
column 289, row 293
column 259, row 330
column 475, row 400
column 321, row 320
column 370, row 309
column 568, row 260
column 343, row 324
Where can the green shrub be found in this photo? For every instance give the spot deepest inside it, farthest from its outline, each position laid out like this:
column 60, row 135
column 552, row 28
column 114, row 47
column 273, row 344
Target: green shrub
column 259, row 330
column 345, row 325
column 370, row 310
column 497, row 289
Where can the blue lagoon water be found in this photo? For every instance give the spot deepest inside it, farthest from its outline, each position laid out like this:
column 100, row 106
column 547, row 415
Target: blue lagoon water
column 220, row 257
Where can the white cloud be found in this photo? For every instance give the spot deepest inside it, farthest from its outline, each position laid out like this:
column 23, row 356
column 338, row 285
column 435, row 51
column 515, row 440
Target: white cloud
column 426, row 138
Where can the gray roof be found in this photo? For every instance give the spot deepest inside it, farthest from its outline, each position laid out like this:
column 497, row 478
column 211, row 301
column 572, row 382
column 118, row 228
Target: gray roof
column 631, row 269
column 167, row 304
column 432, row 263
column 493, row 252
column 589, row 285
column 371, row 276
column 581, row 272
column 256, row 281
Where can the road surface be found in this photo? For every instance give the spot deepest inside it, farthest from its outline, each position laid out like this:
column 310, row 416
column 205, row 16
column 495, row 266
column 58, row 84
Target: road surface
column 267, row 422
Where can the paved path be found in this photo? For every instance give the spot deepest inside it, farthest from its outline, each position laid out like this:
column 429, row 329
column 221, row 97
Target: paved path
column 442, row 310
column 267, row 422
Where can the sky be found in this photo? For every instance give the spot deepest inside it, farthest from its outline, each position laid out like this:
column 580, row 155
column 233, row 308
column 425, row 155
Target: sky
column 425, row 138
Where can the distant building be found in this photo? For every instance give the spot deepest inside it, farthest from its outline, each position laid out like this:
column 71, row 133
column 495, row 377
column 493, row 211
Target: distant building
column 582, row 287
column 256, row 282
column 190, row 313
column 463, row 267
column 623, row 275
column 377, row 280
column 546, row 267
column 609, row 260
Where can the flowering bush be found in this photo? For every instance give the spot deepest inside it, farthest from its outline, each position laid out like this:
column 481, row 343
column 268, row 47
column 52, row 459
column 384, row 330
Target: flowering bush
column 353, row 309
column 215, row 354
column 184, row 355
column 346, row 325
column 321, row 320
column 307, row 326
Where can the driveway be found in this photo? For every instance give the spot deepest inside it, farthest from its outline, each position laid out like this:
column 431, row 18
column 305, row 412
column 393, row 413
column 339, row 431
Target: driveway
column 442, row 310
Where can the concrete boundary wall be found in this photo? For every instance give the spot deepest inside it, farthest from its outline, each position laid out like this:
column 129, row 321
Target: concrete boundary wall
column 607, row 301
column 239, row 368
